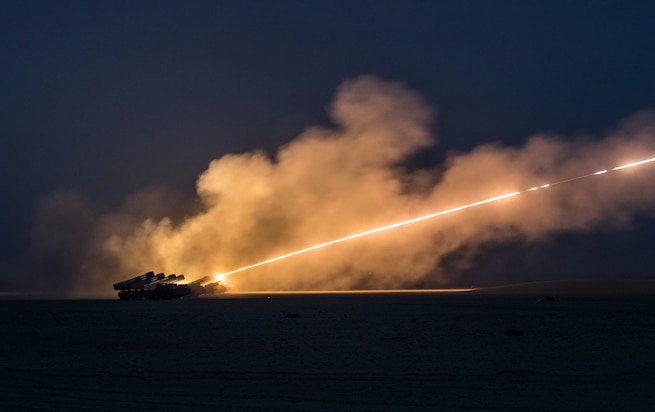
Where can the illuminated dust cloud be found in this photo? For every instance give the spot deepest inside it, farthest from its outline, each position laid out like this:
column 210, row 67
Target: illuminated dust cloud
column 341, row 182
column 222, row 277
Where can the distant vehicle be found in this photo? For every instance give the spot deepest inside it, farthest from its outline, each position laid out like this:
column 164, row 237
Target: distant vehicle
column 162, row 287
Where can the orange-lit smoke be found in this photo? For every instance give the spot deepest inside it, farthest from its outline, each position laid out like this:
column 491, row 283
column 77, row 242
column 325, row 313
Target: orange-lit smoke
column 222, row 277
column 331, row 182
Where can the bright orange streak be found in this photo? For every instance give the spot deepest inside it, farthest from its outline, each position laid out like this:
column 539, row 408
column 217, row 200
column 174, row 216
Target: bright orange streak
column 652, row 159
column 370, row 232
column 348, row 292
column 222, row 276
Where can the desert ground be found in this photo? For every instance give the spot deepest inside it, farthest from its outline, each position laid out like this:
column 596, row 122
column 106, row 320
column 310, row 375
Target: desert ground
column 348, row 352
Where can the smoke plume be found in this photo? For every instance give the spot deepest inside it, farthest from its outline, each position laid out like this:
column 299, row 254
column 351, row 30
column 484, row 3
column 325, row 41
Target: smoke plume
column 333, row 181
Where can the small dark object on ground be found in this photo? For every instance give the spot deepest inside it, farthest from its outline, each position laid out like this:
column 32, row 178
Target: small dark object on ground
column 400, row 337
column 291, row 315
column 521, row 372
column 550, row 298
column 513, row 332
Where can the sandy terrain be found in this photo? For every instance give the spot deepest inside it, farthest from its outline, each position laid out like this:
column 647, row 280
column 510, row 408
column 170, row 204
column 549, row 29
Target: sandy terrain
column 386, row 352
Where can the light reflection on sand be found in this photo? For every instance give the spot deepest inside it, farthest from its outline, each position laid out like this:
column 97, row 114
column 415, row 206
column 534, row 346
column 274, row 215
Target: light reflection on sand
column 349, row 292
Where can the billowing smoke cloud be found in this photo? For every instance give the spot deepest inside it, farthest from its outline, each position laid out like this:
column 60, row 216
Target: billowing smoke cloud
column 334, row 181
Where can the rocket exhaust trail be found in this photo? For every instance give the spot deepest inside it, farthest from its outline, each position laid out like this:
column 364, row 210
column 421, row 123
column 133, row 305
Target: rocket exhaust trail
column 437, row 214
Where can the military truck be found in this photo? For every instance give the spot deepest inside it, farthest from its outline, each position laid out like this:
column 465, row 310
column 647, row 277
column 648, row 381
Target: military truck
column 162, row 287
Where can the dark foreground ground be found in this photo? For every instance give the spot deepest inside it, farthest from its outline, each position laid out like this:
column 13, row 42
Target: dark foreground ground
column 383, row 352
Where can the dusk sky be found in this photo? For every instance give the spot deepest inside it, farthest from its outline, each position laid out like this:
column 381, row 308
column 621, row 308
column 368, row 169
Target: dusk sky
column 111, row 98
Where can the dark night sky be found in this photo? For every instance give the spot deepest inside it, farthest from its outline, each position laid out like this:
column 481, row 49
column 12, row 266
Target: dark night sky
column 110, row 97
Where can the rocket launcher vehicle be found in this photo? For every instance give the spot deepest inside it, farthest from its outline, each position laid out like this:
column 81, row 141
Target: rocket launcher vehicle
column 162, row 287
